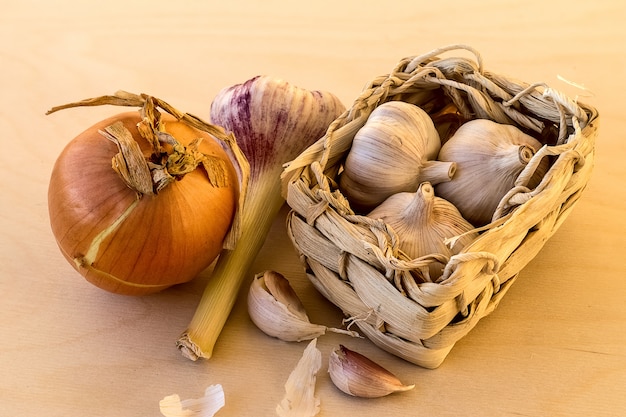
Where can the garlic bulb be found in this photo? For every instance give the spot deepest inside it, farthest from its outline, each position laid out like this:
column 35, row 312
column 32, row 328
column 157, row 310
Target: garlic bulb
column 394, row 151
column 423, row 222
column 273, row 121
column 489, row 158
column 359, row 376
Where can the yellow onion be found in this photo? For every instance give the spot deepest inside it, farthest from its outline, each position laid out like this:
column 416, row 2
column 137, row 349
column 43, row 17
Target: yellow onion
column 131, row 242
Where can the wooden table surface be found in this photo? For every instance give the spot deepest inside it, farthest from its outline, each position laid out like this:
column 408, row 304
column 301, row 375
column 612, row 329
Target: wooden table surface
column 555, row 346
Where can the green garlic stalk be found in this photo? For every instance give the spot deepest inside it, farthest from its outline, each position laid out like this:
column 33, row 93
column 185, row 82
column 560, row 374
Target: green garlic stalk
column 273, row 122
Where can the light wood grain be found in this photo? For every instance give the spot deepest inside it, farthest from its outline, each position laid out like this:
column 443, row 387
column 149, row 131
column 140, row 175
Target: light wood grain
column 555, row 346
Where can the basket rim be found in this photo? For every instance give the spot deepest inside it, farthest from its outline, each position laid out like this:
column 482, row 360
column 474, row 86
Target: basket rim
column 536, row 96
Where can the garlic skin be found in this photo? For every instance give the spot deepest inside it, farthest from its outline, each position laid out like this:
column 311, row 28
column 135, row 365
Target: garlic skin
column 300, row 399
column 275, row 308
column 423, row 222
column 359, row 376
column 394, row 151
column 206, row 406
column 489, row 158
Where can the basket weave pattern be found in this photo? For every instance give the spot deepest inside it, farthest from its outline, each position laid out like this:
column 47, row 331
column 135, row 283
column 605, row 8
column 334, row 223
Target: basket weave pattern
column 355, row 262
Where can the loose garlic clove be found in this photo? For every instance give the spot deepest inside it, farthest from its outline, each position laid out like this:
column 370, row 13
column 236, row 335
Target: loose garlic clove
column 489, row 157
column 424, row 223
column 393, row 152
column 359, row 376
column 275, row 308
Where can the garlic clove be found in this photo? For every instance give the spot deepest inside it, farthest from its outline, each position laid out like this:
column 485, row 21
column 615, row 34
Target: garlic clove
column 359, row 376
column 279, row 287
column 300, row 399
column 274, row 307
column 277, row 310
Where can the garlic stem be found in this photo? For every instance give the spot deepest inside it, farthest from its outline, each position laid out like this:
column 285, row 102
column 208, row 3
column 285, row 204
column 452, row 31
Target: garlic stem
column 262, row 204
column 273, row 122
column 277, row 311
column 436, row 172
column 420, row 210
column 525, row 154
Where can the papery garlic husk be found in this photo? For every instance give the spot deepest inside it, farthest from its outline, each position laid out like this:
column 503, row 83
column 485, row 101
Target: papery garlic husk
column 423, row 223
column 359, row 376
column 300, row 399
column 489, row 157
column 275, row 308
column 393, row 152
column 205, row 406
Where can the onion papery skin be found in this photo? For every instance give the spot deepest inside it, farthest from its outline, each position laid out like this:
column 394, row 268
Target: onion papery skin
column 165, row 239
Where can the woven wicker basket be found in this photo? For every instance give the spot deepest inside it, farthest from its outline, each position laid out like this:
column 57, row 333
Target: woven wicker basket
column 355, row 261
